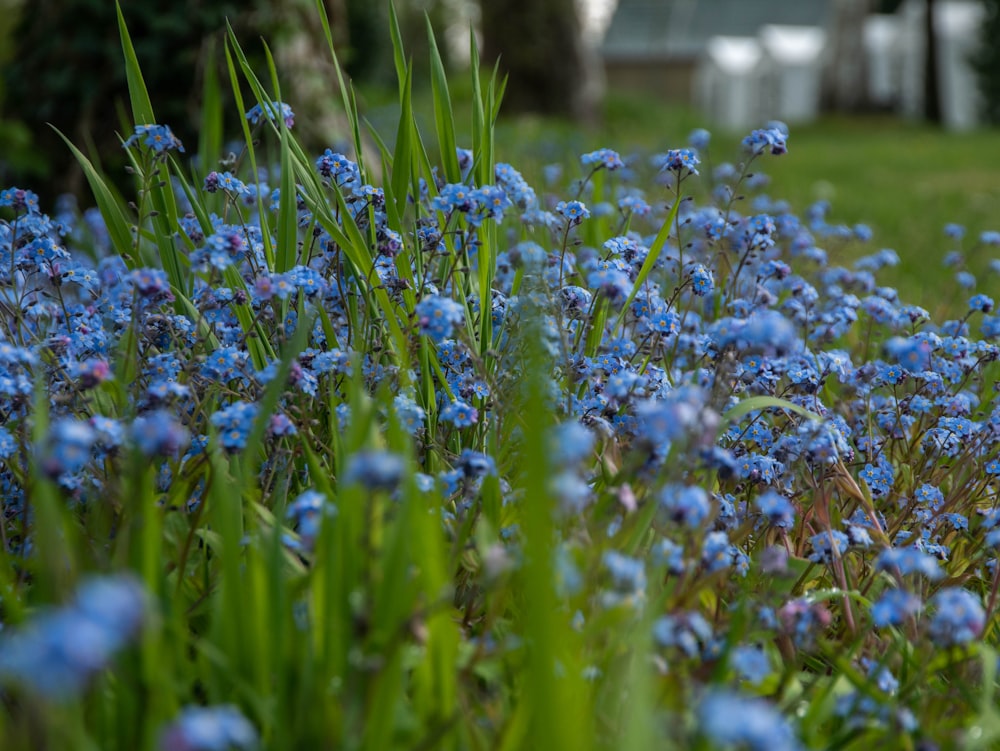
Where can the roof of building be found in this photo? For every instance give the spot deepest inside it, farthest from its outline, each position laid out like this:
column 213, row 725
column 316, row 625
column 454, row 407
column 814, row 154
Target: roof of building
column 680, row 29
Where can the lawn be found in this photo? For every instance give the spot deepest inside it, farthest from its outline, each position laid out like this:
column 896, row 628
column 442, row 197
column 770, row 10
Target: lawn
column 904, row 180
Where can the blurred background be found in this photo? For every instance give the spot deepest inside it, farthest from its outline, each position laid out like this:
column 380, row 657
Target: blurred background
column 893, row 104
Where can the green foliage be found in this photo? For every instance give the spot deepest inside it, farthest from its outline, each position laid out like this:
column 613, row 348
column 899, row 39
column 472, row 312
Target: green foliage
column 64, row 69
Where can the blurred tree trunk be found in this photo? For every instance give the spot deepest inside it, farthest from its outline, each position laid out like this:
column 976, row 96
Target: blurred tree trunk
column 845, row 85
column 932, row 86
column 987, row 62
column 539, row 45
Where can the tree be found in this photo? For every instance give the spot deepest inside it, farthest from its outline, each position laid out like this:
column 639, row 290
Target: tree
column 845, row 85
column 65, row 69
column 987, row 62
column 540, row 49
column 932, row 86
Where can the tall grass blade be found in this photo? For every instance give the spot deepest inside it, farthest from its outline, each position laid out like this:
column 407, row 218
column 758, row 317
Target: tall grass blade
column 114, row 218
column 444, row 117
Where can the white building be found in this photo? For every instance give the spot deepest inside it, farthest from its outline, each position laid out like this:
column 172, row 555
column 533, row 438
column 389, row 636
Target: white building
column 794, row 57
column 730, row 82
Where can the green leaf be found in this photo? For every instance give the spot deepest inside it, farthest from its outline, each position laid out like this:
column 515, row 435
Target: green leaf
column 403, row 155
column 755, row 403
column 287, row 251
column 346, row 91
column 210, row 133
column 398, row 56
column 232, row 48
column 651, row 258
column 114, row 218
column 444, row 117
column 142, row 107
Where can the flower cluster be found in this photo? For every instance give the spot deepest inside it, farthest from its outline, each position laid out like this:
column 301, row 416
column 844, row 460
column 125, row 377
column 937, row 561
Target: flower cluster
column 58, row 652
column 705, row 416
column 157, row 138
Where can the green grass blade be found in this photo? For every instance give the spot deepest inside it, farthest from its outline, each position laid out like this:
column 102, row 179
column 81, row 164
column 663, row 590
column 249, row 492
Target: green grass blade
column 651, row 258
column 346, row 91
column 479, row 119
column 287, row 251
column 142, row 106
column 234, row 81
column 165, row 221
column 403, row 156
column 210, row 134
column 114, row 218
column 444, row 117
column 755, row 403
column 398, row 55
column 554, row 688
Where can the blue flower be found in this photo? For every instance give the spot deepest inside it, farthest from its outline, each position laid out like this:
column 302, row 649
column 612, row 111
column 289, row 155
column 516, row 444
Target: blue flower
column 224, row 364
column 612, row 283
column 605, row 158
column 306, row 513
column 760, row 140
column 701, row 280
column 965, row 279
column 670, row 555
column 751, row 663
column 802, row 619
column 688, row 632
column 227, row 182
column 930, row 495
column 685, row 504
column 271, row 110
column 216, row 728
column 339, row 168
column 628, row 575
column 460, row 414
column 69, row 447
column 57, row 652
column 374, row 470
column 958, row 618
column 235, row 423
column 575, row 301
column 20, row 200
column 777, row 509
column 894, row 607
column 410, row 415
column 828, row 546
column 492, row 202
column 455, row 197
column 981, row 303
column 573, row 211
column 8, row 444
column 437, row 316
column 513, row 184
column 151, row 283
column 878, row 478
column 699, row 139
column 475, row 464
column 719, row 553
column 157, row 138
column 731, row 719
column 680, row 161
column 159, row 433
column 908, row 561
